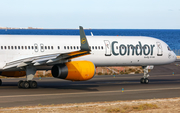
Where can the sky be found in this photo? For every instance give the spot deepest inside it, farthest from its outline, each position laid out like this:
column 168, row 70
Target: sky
column 98, row 14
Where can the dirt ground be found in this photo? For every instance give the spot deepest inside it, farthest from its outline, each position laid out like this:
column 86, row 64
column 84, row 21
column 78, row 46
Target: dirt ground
column 170, row 105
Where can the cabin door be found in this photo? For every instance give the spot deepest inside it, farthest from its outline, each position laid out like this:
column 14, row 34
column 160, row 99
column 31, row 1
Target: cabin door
column 107, row 48
column 159, row 49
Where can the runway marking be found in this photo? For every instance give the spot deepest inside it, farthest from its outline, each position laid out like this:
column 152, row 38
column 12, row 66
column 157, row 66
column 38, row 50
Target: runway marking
column 120, row 91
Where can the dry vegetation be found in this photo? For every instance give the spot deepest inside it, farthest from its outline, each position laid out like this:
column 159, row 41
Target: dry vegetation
column 171, row 105
column 119, row 70
column 178, row 57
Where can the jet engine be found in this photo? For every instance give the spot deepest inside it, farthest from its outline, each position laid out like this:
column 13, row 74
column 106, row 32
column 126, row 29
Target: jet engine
column 75, row 70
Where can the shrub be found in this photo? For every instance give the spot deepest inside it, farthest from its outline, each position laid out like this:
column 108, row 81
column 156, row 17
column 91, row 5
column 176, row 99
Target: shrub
column 99, row 73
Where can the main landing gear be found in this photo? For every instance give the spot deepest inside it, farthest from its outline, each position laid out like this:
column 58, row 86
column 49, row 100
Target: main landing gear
column 145, row 79
column 29, row 83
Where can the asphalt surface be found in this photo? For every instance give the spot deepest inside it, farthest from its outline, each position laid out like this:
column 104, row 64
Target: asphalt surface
column 101, row 88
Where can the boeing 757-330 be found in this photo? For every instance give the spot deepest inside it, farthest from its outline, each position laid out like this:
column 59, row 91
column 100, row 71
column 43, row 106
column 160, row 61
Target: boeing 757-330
column 75, row 58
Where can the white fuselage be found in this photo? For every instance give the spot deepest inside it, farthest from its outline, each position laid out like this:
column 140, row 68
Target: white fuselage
column 105, row 50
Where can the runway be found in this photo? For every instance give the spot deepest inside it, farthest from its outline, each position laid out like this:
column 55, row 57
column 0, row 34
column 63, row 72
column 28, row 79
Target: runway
column 101, row 88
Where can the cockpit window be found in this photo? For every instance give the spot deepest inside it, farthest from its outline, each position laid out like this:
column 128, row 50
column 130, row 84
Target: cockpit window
column 168, row 48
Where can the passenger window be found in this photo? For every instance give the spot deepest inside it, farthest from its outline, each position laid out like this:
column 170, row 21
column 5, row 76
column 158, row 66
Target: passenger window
column 45, row 47
column 4, row 47
column 116, row 47
column 42, row 47
column 8, row 47
column 74, row 47
column 11, row 47
column 71, row 47
column 67, row 47
column 51, row 47
column 35, row 47
column 64, row 47
column 98, row 47
column 101, row 47
column 25, row 47
column 15, row 47
column 58, row 47
column 29, row 47
column 1, row 47
column 21, row 47
column 77, row 47
column 18, row 47
column 92, row 47
column 32, row 47
column 48, row 47
column 95, row 47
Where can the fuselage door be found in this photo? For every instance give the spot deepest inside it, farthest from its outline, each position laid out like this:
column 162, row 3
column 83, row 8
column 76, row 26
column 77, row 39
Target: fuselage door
column 36, row 47
column 159, row 49
column 107, row 48
column 42, row 47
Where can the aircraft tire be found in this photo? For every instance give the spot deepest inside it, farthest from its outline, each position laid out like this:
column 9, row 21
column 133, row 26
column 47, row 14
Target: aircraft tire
column 142, row 80
column 26, row 85
column 0, row 82
column 146, row 80
column 33, row 84
column 20, row 84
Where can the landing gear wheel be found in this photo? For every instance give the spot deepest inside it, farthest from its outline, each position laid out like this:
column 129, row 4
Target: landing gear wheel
column 0, row 82
column 20, row 84
column 142, row 80
column 146, row 80
column 33, row 84
column 26, row 85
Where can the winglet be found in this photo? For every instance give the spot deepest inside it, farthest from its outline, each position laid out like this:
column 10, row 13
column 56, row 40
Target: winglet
column 83, row 40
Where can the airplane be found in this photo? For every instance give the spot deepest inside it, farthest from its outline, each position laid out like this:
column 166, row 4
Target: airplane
column 76, row 58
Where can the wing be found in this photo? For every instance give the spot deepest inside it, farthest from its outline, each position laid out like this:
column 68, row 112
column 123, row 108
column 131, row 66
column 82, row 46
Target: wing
column 51, row 59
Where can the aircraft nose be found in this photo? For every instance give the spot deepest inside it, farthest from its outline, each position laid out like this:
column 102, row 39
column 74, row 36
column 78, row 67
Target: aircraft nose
column 174, row 56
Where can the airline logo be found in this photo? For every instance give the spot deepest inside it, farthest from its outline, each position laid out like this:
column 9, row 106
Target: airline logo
column 121, row 49
column 83, row 40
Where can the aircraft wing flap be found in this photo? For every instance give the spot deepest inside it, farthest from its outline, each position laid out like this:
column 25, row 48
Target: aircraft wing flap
column 27, row 61
column 45, row 60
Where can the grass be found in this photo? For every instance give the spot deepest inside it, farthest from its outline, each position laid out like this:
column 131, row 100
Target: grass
column 39, row 104
column 126, row 109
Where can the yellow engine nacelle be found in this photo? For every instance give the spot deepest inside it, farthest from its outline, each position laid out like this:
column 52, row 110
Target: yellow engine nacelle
column 13, row 73
column 75, row 70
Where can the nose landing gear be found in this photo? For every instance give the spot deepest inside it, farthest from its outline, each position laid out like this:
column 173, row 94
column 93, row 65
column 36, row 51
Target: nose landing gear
column 145, row 79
